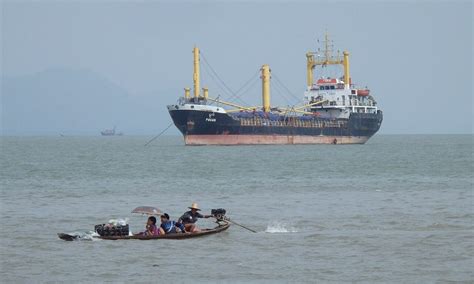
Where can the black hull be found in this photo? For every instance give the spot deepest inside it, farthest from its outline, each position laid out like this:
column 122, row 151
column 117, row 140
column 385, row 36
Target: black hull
column 212, row 127
column 179, row 236
column 204, row 232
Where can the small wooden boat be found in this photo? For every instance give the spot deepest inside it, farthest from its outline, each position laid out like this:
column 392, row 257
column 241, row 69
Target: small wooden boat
column 178, row 236
column 121, row 232
column 222, row 226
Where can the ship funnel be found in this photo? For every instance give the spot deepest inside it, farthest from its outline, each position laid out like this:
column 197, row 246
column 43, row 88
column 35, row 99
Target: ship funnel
column 206, row 93
column 266, row 87
column 196, row 74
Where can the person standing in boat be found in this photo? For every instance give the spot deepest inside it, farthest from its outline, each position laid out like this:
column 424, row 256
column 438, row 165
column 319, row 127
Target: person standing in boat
column 189, row 218
column 170, row 227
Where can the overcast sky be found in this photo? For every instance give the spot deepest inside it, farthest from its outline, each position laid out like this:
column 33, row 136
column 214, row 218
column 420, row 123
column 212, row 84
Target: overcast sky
column 416, row 57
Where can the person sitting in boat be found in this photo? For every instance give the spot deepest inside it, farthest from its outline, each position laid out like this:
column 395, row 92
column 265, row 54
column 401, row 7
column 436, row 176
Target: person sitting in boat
column 189, row 218
column 151, row 228
column 170, row 227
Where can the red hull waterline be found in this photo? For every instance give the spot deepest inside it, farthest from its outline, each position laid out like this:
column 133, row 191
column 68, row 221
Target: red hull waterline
column 270, row 140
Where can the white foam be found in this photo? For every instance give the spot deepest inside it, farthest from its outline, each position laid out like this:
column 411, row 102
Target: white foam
column 94, row 236
column 280, row 228
column 85, row 236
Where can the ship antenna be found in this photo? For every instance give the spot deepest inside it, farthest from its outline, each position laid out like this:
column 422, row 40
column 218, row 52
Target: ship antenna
column 326, row 46
column 324, row 57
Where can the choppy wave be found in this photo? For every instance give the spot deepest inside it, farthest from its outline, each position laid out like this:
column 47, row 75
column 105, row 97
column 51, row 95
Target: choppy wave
column 277, row 227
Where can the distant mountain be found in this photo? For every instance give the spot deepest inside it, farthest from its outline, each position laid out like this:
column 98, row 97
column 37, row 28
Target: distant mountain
column 75, row 102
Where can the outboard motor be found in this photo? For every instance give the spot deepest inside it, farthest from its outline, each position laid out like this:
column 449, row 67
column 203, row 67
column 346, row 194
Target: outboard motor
column 219, row 214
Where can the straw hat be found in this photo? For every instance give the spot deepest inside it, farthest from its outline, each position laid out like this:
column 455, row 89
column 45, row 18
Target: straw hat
column 194, row 206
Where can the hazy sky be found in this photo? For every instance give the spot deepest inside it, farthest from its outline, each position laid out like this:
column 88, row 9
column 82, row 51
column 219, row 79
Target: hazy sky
column 416, row 57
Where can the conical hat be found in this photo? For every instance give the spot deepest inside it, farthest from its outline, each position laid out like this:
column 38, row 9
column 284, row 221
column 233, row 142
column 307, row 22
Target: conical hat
column 194, row 206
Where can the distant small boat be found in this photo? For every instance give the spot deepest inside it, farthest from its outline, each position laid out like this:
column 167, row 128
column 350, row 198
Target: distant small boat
column 111, row 132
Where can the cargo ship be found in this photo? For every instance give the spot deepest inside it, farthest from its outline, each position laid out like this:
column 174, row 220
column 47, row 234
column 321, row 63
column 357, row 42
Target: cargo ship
column 333, row 111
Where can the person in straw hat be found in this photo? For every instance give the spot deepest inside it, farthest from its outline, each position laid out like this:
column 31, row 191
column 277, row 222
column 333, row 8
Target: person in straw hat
column 189, row 218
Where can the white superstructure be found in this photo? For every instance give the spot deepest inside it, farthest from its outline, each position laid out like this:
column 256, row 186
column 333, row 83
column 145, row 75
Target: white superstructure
column 337, row 100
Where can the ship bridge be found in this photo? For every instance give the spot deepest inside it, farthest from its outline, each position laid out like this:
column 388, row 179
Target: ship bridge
column 335, row 101
column 337, row 97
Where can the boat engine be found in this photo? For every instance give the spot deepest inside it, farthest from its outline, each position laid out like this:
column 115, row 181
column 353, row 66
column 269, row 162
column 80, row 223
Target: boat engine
column 105, row 230
column 219, row 214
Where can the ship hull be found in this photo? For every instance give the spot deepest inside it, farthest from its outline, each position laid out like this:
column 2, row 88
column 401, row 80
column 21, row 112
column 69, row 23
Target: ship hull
column 251, row 139
column 214, row 128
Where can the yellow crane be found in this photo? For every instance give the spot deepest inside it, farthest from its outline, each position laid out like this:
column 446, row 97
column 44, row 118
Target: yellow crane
column 265, row 76
column 314, row 59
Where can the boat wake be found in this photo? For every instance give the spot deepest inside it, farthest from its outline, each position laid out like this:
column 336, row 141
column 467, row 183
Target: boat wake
column 81, row 236
column 277, row 227
column 91, row 235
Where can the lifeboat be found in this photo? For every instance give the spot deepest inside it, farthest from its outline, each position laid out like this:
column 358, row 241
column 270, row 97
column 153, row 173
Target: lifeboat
column 326, row 81
column 363, row 92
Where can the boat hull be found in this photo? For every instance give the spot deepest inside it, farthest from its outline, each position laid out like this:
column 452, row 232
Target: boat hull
column 214, row 128
column 197, row 140
column 179, row 236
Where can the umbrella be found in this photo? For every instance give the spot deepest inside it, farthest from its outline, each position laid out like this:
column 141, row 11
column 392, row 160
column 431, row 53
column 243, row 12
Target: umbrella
column 148, row 210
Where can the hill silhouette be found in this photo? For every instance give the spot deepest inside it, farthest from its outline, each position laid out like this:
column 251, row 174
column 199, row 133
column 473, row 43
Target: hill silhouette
column 75, row 102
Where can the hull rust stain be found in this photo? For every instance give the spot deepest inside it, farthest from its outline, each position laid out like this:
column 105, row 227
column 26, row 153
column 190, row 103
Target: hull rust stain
column 271, row 139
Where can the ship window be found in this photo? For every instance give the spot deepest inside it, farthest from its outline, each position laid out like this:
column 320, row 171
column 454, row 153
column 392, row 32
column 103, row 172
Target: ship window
column 353, row 92
column 321, row 87
column 326, row 87
column 332, row 87
column 192, row 106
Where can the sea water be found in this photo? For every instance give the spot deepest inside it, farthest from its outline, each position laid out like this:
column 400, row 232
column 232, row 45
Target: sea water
column 397, row 209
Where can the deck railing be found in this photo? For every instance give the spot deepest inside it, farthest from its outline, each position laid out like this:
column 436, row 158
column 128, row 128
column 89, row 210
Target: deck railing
column 293, row 122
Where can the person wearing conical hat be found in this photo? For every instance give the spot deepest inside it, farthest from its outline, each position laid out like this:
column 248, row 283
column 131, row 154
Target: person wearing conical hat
column 189, row 218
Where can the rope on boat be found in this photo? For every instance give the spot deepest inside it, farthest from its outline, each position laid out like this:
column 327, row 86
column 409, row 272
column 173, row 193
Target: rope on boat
column 253, row 80
column 226, row 88
column 158, row 134
column 279, row 86
column 284, row 87
column 231, row 95
column 209, row 71
column 280, row 92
